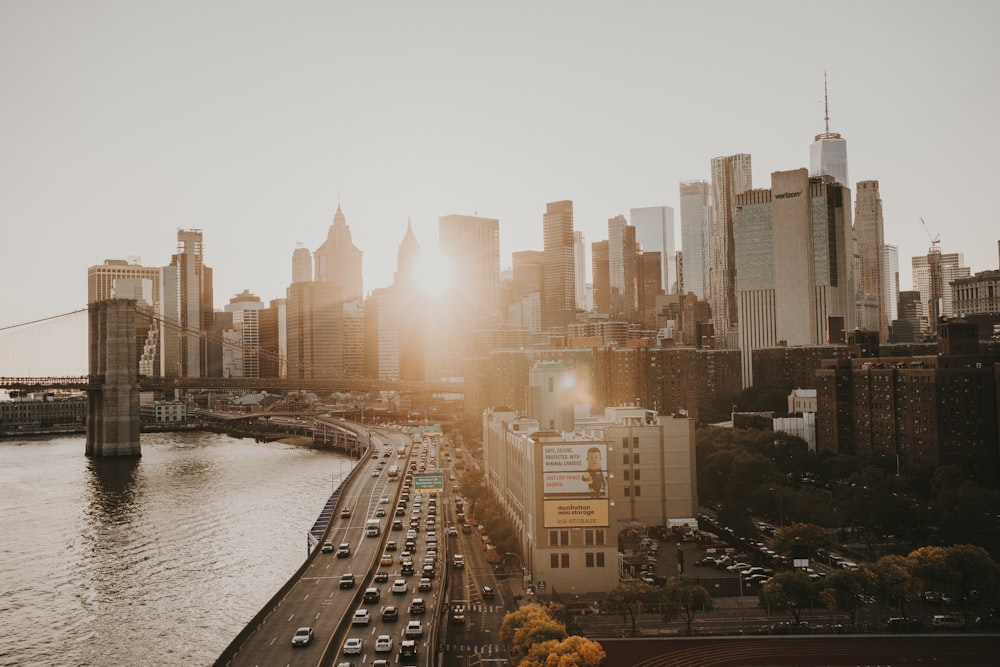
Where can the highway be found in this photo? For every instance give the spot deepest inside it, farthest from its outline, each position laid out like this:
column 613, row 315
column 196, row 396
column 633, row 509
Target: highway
column 316, row 599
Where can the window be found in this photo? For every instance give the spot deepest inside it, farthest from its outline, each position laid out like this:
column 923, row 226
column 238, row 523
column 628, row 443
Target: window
column 635, row 441
column 599, row 535
column 625, row 443
column 557, row 561
column 565, row 559
column 636, row 491
column 554, row 561
column 558, row 538
column 628, row 492
column 635, row 475
column 594, row 559
column 625, row 458
column 625, row 474
column 635, row 458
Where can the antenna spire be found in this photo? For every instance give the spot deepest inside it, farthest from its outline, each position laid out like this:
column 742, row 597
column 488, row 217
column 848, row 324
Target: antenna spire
column 826, row 104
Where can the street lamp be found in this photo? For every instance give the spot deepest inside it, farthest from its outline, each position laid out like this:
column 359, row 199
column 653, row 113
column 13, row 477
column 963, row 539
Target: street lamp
column 521, row 563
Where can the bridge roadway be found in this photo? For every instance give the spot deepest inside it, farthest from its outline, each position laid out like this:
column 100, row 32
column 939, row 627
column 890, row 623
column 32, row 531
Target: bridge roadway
column 149, row 383
column 315, row 598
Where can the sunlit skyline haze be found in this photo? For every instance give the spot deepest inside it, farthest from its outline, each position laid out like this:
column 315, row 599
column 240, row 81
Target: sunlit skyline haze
column 123, row 122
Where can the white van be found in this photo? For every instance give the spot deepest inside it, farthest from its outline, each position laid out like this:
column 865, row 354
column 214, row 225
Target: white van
column 373, row 528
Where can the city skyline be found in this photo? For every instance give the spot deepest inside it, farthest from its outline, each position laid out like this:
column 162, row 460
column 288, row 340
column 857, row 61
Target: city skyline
column 262, row 125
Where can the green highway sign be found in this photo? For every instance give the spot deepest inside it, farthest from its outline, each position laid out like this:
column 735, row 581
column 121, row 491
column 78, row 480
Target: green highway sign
column 428, row 481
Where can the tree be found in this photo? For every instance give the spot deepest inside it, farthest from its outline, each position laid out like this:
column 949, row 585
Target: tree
column 963, row 570
column 684, row 598
column 529, row 625
column 574, row 651
column 894, row 581
column 842, row 590
column 629, row 599
column 812, row 536
column 792, row 590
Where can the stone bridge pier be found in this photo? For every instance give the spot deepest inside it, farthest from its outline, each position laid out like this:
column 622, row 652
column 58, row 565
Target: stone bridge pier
column 113, row 397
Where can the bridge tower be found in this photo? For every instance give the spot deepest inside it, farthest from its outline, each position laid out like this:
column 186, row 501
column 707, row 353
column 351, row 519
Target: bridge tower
column 113, row 399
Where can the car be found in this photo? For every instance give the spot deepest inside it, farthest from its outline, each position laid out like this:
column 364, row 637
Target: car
column 302, row 637
column 380, row 663
column 376, row 472
column 947, row 622
column 361, row 617
column 354, row 646
column 399, row 587
column 386, row 559
column 488, row 593
column 344, row 550
column 424, row 585
column 451, row 531
column 407, row 651
column 417, row 607
column 380, row 511
column 372, row 594
column 389, row 613
column 466, row 528
column 458, row 560
column 904, row 624
column 414, row 630
column 327, row 547
column 406, row 567
column 457, row 613
column 383, row 644
column 381, row 577
column 347, row 580
column 384, row 500
column 345, row 513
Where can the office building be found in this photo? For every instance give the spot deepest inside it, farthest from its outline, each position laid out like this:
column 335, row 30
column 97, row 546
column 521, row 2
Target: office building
column 869, row 234
column 696, row 236
column 315, row 321
column 186, row 307
column 793, row 264
column 569, row 494
column 245, row 309
column 623, row 270
column 828, row 152
column 302, row 265
column 654, row 231
column 731, row 176
column 933, row 275
column 472, row 245
column 560, row 265
column 381, row 327
column 338, row 260
column 890, row 264
column 601, row 269
column 580, row 268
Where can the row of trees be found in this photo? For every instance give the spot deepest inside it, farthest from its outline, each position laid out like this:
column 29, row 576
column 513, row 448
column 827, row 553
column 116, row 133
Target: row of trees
column 536, row 636
column 965, row 572
column 747, row 473
column 679, row 597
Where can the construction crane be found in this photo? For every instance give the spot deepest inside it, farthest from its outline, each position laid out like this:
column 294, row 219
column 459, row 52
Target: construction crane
column 935, row 240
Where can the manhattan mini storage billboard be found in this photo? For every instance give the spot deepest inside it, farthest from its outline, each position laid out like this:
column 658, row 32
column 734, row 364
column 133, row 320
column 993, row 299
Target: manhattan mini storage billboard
column 575, row 484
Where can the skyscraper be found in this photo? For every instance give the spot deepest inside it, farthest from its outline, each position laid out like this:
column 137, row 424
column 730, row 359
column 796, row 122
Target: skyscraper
column 696, row 235
column 560, row 265
column 932, row 275
column 868, row 230
column 654, row 231
column 890, row 265
column 601, row 271
column 186, row 307
column 580, row 265
column 472, row 245
column 315, row 318
column 793, row 264
column 828, row 153
column 302, row 266
column 245, row 308
column 622, row 270
column 731, row 176
column 338, row 260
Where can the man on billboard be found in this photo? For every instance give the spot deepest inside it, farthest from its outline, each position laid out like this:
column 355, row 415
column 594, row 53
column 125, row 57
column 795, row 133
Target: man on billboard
column 594, row 477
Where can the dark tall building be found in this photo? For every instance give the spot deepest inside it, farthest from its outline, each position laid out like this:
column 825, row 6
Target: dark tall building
column 560, row 263
column 601, row 269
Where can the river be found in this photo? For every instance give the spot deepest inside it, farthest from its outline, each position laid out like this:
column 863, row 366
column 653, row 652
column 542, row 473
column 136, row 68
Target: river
column 159, row 560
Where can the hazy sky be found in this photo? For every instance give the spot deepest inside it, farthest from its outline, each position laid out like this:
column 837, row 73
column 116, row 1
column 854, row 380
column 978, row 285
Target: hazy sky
column 121, row 122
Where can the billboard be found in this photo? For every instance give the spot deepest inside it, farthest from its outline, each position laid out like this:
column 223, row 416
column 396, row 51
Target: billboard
column 577, row 470
column 575, row 513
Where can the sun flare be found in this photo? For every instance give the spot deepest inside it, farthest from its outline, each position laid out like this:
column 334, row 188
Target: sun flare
column 433, row 273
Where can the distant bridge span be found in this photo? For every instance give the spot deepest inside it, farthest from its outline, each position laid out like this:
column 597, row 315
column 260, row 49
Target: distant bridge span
column 146, row 383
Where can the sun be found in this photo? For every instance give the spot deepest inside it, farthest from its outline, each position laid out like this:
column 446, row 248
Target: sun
column 433, row 273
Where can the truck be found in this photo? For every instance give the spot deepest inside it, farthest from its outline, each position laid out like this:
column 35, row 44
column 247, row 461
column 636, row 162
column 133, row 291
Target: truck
column 373, row 528
column 393, row 472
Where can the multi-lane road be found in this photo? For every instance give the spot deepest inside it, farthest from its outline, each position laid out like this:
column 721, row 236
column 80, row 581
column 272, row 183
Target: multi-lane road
column 316, row 599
